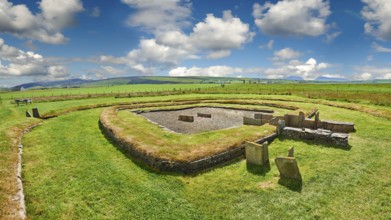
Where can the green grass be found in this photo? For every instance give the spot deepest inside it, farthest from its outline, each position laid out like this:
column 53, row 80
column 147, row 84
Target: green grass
column 71, row 171
column 102, row 182
column 102, row 90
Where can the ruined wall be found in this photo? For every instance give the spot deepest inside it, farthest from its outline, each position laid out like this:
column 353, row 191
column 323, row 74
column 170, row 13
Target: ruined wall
column 177, row 166
column 320, row 135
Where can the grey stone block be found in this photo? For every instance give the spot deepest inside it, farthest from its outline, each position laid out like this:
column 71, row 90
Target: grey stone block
column 257, row 154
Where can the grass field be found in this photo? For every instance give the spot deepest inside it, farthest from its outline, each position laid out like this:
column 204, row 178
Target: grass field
column 71, row 171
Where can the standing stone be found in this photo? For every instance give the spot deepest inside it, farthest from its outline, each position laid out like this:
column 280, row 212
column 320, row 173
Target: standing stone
column 301, row 119
column 36, row 113
column 257, row 154
column 28, row 114
column 280, row 126
column 316, row 120
column 287, row 166
column 291, row 152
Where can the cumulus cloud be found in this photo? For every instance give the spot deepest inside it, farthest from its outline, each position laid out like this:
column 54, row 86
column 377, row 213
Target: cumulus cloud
column 380, row 49
column 292, row 17
column 215, row 71
column 45, row 26
column 308, row 70
column 221, row 34
column 159, row 15
column 214, row 37
column 372, row 72
column 286, row 54
column 21, row 63
column 377, row 14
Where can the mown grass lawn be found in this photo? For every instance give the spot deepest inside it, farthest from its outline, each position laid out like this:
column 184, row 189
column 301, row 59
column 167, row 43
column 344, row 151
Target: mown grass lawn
column 71, row 171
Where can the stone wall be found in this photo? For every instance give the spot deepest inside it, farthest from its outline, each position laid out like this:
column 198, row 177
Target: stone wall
column 319, row 135
column 252, row 121
column 178, row 166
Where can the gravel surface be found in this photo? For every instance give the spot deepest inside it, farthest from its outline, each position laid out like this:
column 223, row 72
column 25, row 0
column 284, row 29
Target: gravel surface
column 221, row 118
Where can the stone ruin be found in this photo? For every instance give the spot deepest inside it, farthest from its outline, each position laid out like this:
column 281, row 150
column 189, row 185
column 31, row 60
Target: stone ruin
column 301, row 127
column 287, row 166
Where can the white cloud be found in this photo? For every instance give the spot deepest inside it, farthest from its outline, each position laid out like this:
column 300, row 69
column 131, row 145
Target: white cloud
column 286, row 54
column 292, row 17
column 21, row 63
column 308, row 70
column 372, row 72
column 111, row 70
column 221, row 34
column 45, row 26
column 377, row 14
column 215, row 71
column 159, row 15
column 380, row 49
column 214, row 37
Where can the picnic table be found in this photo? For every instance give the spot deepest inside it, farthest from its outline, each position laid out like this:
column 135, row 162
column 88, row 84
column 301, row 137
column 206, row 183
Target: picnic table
column 26, row 101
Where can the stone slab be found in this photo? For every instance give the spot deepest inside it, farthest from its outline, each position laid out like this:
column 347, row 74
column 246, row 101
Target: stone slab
column 186, row 118
column 203, row 115
column 257, row 154
column 36, row 113
column 288, row 168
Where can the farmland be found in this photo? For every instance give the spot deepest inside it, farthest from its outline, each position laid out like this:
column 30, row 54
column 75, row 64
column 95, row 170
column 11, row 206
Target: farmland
column 72, row 171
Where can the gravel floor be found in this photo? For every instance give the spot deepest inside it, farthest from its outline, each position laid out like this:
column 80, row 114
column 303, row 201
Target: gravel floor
column 221, row 118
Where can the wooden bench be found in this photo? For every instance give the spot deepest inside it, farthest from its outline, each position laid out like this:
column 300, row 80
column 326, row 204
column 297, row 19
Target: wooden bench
column 26, row 101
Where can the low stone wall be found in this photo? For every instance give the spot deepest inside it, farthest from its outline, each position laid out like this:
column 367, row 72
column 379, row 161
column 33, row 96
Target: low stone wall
column 177, row 166
column 319, row 135
column 252, row 121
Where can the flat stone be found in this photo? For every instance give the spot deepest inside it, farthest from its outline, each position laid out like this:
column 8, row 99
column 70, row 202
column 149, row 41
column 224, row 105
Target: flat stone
column 186, row 118
column 287, row 166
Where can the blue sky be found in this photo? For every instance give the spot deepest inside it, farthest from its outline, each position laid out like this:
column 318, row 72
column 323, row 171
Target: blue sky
column 56, row 39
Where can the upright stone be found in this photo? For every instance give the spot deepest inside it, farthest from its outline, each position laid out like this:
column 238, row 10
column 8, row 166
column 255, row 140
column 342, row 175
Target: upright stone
column 287, row 166
column 186, row 118
column 28, row 114
column 280, row 126
column 36, row 113
column 316, row 120
column 291, row 152
column 257, row 154
column 301, row 119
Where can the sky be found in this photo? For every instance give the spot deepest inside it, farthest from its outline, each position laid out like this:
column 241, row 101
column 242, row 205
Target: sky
column 96, row 39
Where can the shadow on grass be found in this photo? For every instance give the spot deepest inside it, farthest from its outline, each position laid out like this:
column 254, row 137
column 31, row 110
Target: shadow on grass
column 258, row 169
column 292, row 184
column 317, row 143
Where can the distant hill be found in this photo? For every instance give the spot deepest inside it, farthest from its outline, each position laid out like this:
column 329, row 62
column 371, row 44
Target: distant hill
column 330, row 79
column 176, row 80
column 129, row 80
column 296, row 78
